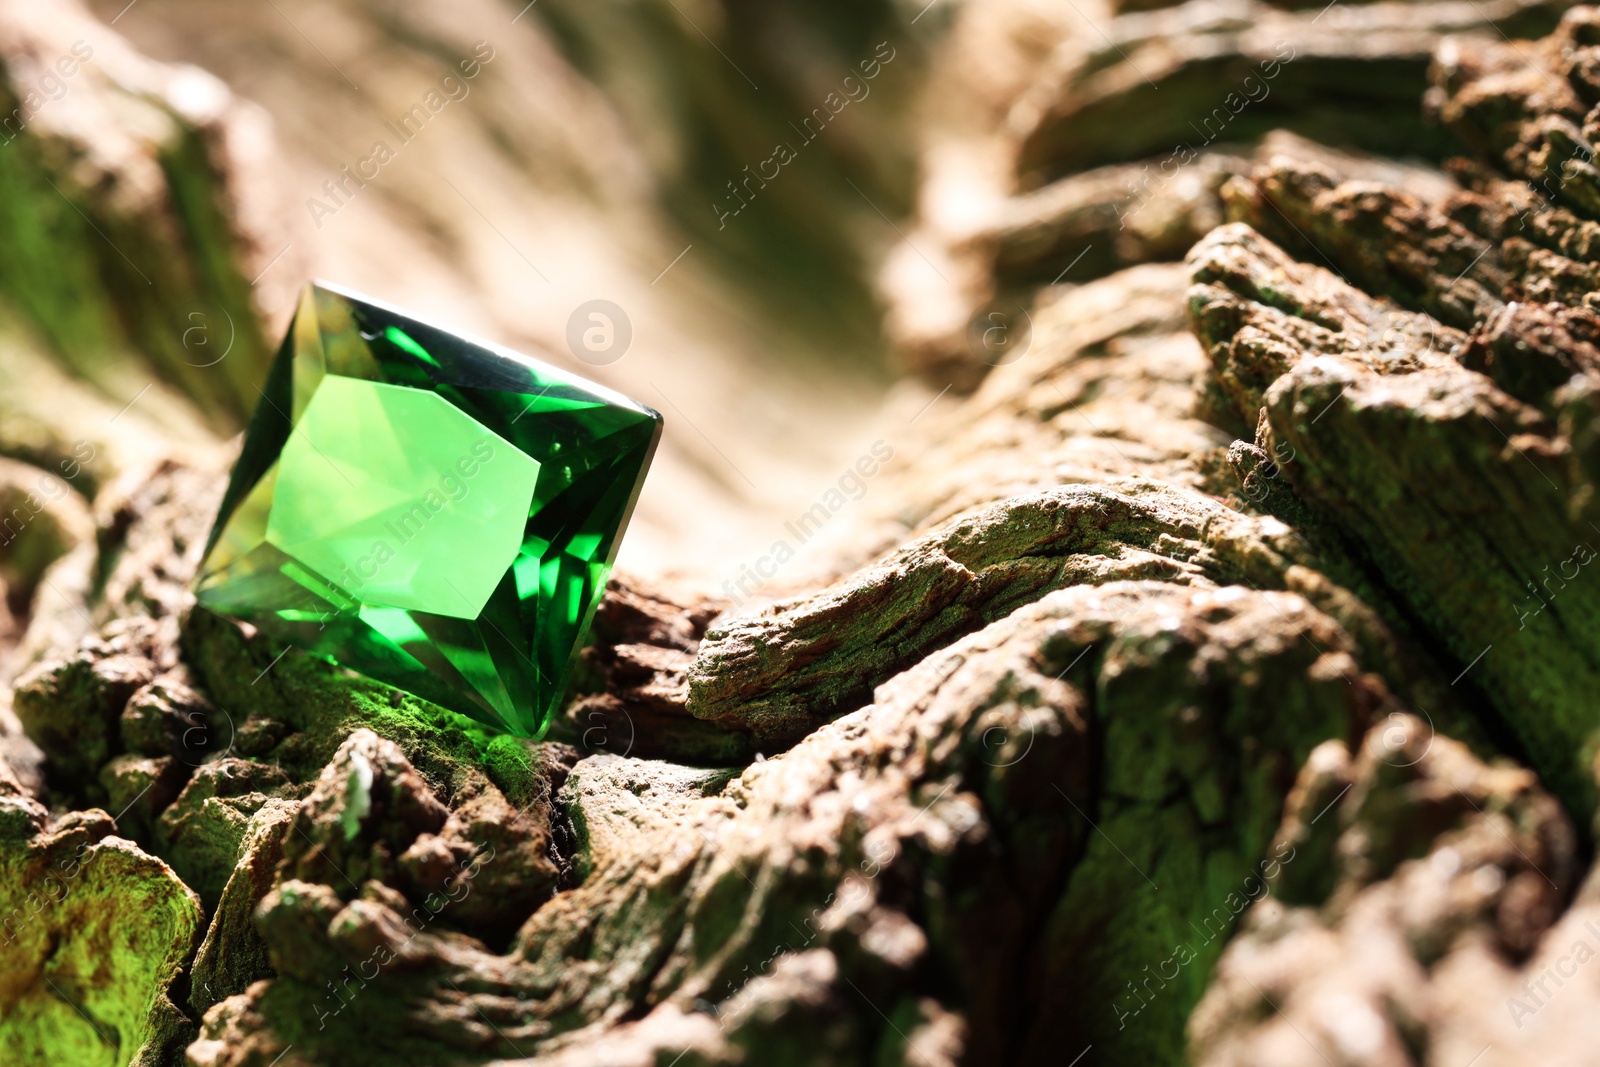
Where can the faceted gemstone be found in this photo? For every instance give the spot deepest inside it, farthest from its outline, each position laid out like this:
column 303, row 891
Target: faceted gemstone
column 436, row 513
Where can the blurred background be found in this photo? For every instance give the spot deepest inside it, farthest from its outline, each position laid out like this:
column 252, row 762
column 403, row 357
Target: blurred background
column 169, row 197
column 819, row 222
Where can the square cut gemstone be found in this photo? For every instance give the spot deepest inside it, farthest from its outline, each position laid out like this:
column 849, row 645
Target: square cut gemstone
column 435, row 513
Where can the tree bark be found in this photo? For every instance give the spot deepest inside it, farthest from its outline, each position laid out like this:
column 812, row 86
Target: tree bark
column 1212, row 680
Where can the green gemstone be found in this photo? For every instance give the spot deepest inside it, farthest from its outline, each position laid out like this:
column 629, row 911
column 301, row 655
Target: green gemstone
column 436, row 513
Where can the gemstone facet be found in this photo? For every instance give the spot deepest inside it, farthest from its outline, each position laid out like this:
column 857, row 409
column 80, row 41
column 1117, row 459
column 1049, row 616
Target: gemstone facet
column 435, row 513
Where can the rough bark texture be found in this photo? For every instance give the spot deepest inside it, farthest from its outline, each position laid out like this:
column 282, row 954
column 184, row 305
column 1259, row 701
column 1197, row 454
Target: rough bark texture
column 1210, row 678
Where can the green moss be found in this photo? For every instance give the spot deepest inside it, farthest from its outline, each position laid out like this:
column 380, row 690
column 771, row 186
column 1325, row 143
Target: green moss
column 319, row 704
column 97, row 934
column 510, row 764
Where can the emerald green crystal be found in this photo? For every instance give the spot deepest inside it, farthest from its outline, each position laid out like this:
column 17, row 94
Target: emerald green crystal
column 435, row 513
